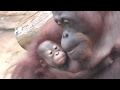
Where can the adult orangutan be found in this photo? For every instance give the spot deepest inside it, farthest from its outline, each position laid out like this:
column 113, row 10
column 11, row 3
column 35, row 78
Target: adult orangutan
column 100, row 28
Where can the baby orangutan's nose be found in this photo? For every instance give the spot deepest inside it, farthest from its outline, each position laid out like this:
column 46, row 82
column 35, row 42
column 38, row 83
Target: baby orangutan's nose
column 57, row 53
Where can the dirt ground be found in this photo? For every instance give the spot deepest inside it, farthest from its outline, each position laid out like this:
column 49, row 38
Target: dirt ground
column 10, row 52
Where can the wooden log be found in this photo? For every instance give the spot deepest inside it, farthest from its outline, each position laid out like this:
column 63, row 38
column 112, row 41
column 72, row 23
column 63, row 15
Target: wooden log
column 28, row 28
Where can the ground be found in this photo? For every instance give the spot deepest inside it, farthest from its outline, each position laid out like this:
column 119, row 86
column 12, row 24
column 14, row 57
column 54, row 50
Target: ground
column 10, row 52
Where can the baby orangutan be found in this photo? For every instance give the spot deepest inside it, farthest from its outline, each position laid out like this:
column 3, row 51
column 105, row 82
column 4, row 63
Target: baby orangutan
column 57, row 59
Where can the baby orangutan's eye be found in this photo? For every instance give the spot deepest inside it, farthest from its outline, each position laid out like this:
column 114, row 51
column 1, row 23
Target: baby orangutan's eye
column 55, row 47
column 49, row 53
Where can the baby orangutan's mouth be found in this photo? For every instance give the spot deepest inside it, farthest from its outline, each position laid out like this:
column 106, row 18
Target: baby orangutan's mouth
column 61, row 59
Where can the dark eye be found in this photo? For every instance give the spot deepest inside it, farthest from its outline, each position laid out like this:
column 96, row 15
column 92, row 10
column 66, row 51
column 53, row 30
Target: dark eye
column 55, row 47
column 58, row 22
column 66, row 21
column 51, row 52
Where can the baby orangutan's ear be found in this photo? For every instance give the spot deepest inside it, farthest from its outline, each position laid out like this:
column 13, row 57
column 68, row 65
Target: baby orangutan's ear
column 40, row 69
column 43, row 63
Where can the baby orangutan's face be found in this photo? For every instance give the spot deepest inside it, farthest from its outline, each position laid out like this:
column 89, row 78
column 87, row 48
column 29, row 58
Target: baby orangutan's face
column 52, row 53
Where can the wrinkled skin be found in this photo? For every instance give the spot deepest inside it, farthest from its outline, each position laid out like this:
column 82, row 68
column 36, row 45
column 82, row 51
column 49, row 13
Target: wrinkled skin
column 100, row 28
